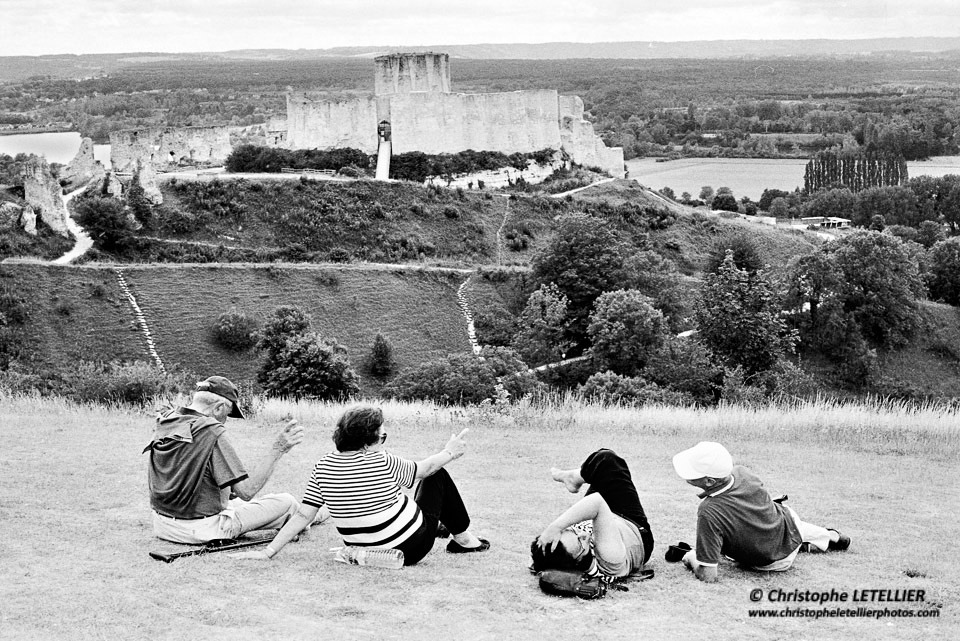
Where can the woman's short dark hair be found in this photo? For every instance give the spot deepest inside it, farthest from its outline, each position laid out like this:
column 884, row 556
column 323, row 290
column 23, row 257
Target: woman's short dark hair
column 358, row 427
column 558, row 559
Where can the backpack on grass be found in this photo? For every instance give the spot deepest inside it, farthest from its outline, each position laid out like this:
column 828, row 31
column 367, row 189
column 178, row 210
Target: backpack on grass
column 572, row 583
column 576, row 583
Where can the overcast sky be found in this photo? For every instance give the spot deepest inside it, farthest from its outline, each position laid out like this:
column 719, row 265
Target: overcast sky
column 36, row 27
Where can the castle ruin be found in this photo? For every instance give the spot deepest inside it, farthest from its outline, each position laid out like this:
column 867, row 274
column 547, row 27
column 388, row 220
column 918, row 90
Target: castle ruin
column 412, row 97
column 412, row 105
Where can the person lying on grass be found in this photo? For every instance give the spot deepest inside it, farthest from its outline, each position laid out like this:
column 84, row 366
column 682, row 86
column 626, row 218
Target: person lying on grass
column 606, row 532
column 361, row 485
column 199, row 489
column 738, row 519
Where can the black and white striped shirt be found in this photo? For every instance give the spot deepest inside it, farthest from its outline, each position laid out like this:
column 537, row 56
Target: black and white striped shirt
column 362, row 491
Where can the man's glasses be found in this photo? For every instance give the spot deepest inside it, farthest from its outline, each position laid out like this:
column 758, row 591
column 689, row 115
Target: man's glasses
column 383, row 437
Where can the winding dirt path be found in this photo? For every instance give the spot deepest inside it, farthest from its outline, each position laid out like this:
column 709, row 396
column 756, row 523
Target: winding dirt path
column 84, row 242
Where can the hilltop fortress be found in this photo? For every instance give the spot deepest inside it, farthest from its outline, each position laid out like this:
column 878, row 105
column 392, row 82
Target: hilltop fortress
column 412, row 95
column 411, row 107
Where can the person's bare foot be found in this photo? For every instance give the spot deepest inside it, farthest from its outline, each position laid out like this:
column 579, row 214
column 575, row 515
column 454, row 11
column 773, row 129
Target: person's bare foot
column 467, row 539
column 570, row 478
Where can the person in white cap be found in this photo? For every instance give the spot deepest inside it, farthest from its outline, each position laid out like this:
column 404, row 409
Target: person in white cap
column 193, row 471
column 738, row 519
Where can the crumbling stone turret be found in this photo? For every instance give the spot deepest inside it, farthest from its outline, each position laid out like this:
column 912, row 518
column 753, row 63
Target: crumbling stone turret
column 43, row 192
column 83, row 168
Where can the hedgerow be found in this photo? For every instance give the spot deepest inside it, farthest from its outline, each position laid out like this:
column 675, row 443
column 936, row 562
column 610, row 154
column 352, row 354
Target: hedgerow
column 134, row 383
column 416, row 166
column 255, row 159
column 613, row 389
column 464, row 379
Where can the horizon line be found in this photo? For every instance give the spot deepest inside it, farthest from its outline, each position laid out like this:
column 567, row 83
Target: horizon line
column 436, row 47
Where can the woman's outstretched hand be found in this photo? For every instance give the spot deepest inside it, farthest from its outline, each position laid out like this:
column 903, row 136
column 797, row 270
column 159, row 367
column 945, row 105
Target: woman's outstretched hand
column 456, row 446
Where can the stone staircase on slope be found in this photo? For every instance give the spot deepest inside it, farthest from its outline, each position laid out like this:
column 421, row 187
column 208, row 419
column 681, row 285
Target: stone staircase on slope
column 141, row 320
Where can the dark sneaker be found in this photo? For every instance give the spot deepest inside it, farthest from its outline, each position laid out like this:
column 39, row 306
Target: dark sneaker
column 675, row 553
column 841, row 544
column 455, row 548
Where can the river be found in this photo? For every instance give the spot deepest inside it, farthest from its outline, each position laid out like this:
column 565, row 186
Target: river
column 59, row 147
column 749, row 177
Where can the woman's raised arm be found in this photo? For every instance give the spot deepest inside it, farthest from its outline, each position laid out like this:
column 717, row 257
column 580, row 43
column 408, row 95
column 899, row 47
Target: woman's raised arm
column 453, row 450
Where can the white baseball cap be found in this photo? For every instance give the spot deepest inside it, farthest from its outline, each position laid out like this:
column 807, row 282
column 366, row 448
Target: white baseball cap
column 706, row 458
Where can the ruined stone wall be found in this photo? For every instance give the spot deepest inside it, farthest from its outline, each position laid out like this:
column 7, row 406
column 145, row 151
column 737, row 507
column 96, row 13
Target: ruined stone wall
column 581, row 142
column 277, row 132
column 320, row 122
column 42, row 192
column 412, row 72
column 83, row 168
column 169, row 147
column 436, row 123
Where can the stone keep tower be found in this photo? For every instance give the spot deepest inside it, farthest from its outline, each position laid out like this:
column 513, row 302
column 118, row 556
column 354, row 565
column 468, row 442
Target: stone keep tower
column 400, row 73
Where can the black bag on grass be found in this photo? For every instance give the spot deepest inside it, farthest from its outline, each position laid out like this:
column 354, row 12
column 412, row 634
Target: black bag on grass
column 572, row 583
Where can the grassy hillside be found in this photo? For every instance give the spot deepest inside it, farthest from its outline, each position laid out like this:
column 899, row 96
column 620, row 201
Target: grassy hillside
column 696, row 232
column 690, row 241
column 78, row 312
column 72, row 314
column 318, row 221
column 931, row 364
column 362, row 220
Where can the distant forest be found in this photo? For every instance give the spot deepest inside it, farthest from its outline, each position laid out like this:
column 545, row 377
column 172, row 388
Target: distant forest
column 900, row 103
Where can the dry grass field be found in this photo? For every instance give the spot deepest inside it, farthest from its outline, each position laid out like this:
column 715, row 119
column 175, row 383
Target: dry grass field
column 74, row 527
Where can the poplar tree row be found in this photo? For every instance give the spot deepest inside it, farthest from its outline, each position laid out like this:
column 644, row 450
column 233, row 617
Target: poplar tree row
column 857, row 172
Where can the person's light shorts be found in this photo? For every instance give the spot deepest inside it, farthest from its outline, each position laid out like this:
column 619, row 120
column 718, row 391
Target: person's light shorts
column 630, row 534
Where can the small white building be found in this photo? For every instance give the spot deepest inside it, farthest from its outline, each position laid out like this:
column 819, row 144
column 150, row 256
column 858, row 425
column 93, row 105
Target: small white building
column 826, row 222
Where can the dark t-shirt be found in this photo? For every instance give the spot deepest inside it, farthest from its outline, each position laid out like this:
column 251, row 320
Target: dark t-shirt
column 192, row 466
column 745, row 524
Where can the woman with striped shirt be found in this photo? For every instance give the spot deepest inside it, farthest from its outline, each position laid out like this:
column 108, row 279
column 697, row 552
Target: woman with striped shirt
column 361, row 485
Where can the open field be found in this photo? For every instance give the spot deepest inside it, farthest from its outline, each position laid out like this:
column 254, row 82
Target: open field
column 74, row 527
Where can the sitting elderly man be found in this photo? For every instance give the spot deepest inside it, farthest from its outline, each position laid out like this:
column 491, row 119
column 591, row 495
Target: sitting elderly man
column 199, row 489
column 738, row 519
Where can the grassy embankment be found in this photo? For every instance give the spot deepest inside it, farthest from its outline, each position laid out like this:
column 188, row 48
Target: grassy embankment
column 400, row 222
column 75, row 527
column 363, row 220
column 79, row 313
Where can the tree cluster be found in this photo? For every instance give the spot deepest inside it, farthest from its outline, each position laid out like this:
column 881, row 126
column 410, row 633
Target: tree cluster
column 854, row 171
column 416, row 166
column 300, row 363
column 255, row 159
